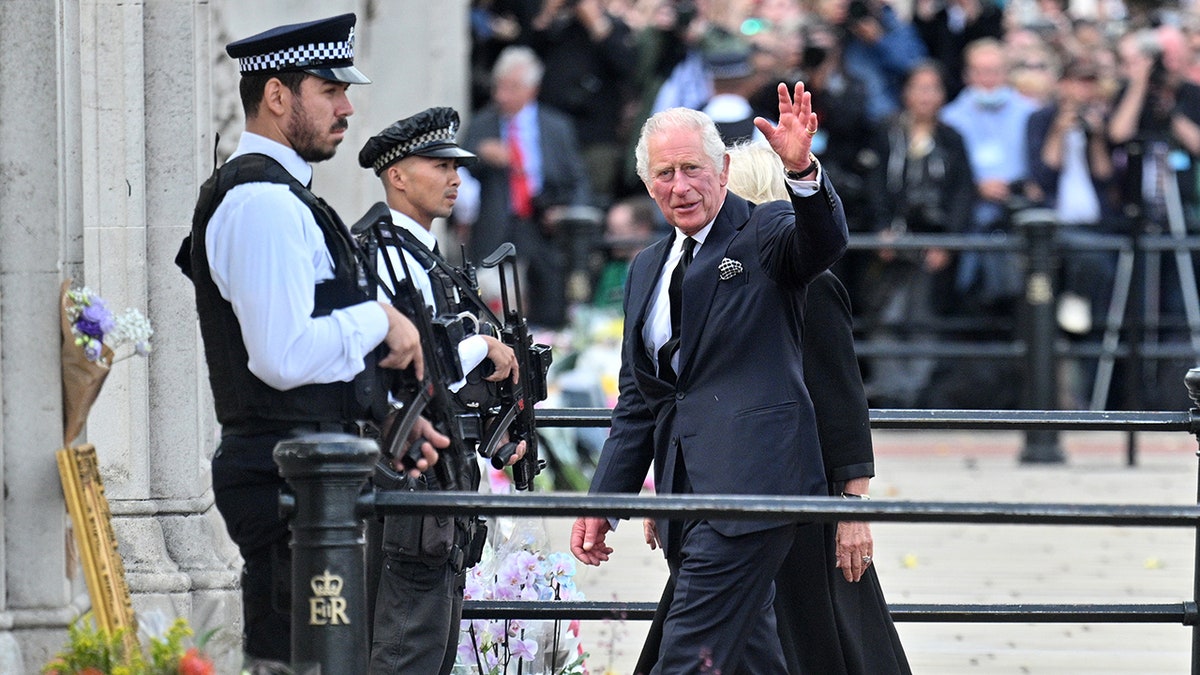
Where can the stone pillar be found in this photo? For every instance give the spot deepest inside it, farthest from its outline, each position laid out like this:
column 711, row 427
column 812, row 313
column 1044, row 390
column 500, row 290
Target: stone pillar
column 107, row 122
column 146, row 147
column 38, row 139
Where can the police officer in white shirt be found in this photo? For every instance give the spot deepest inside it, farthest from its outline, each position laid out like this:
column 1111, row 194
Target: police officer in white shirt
column 292, row 336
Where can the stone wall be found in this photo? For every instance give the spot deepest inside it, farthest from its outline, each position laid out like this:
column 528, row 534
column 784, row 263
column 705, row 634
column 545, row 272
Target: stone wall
column 107, row 125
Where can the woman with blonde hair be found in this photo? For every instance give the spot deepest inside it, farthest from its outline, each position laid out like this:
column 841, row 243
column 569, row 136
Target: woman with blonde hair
column 756, row 172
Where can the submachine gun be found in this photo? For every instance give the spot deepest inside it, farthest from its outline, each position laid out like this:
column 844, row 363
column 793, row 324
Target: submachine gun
column 462, row 416
column 517, row 400
column 442, row 368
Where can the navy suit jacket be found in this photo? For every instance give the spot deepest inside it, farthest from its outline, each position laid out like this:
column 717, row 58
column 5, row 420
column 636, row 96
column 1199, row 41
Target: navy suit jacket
column 564, row 178
column 740, row 413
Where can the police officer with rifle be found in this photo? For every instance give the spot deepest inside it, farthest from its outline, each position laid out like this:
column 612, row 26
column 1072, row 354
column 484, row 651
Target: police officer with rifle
column 482, row 377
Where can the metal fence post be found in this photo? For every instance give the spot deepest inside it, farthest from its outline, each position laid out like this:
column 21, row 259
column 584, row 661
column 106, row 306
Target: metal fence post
column 1041, row 328
column 326, row 473
column 1192, row 380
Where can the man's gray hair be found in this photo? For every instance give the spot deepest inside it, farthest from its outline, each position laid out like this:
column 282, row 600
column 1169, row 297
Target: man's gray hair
column 680, row 118
column 519, row 58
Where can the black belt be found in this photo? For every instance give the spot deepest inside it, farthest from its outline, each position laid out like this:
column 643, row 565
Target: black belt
column 282, row 427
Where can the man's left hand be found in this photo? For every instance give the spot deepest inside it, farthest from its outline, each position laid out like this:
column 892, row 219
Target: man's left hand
column 791, row 139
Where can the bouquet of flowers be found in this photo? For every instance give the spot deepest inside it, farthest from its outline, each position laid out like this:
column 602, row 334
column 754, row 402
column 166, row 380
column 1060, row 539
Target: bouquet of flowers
column 92, row 335
column 94, row 651
column 520, row 569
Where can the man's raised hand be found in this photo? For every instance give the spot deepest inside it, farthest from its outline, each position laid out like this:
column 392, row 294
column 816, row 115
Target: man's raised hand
column 791, row 139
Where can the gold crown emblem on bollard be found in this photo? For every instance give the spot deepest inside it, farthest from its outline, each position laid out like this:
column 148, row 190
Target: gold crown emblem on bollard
column 327, row 585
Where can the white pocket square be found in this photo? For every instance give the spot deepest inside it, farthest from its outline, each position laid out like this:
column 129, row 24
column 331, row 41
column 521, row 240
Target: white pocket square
column 729, row 268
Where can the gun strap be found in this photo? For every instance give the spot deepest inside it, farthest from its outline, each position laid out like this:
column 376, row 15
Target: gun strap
column 422, row 253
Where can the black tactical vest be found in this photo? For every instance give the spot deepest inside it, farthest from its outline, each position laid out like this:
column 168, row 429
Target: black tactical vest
column 244, row 403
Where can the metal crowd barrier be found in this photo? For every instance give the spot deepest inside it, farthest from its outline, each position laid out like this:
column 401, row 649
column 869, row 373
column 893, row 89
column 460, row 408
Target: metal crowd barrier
column 1035, row 337
column 326, row 474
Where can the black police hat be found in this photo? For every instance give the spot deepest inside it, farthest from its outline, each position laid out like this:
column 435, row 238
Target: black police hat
column 730, row 61
column 429, row 133
column 324, row 48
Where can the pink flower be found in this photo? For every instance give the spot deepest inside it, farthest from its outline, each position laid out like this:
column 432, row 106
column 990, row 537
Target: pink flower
column 525, row 650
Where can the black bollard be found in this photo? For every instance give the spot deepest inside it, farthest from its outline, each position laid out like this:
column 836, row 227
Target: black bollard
column 326, row 473
column 1041, row 329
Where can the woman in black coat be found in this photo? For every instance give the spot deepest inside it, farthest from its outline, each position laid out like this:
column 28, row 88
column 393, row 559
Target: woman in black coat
column 830, row 610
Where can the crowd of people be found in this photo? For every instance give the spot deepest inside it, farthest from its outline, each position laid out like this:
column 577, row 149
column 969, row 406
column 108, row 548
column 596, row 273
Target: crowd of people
column 939, row 117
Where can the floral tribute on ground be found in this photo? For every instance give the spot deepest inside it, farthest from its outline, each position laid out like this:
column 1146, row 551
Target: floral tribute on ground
column 519, row 568
column 169, row 650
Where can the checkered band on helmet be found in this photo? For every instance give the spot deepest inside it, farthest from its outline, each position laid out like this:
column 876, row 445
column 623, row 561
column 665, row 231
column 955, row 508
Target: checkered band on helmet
column 442, row 135
column 312, row 55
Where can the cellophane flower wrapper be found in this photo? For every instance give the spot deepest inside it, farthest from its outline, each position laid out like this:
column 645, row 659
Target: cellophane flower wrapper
column 82, row 377
column 518, row 567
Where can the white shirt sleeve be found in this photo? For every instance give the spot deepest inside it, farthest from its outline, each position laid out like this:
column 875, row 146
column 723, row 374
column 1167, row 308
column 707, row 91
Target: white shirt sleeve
column 805, row 188
column 472, row 350
column 266, row 255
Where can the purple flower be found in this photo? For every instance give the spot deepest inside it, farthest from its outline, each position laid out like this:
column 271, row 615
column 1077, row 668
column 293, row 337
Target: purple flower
column 528, row 564
column 494, row 632
column 525, row 650
column 505, row 592
column 474, row 589
column 511, row 573
column 90, row 328
column 92, row 350
column 97, row 313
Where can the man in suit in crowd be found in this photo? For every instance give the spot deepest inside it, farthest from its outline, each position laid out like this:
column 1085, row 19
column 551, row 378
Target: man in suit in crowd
column 529, row 164
column 712, row 382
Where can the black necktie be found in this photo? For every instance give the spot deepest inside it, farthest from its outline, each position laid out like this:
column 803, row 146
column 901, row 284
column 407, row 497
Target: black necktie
column 675, row 297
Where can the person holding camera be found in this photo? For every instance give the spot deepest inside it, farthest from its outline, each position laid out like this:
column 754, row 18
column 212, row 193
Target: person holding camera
column 921, row 184
column 1155, row 130
column 589, row 54
column 1071, row 172
column 879, row 48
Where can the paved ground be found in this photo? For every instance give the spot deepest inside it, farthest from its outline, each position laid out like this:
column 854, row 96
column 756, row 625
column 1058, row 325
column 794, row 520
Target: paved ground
column 934, row 563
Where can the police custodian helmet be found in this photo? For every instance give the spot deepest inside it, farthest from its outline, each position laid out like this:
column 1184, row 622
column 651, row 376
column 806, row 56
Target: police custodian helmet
column 429, row 133
column 324, row 48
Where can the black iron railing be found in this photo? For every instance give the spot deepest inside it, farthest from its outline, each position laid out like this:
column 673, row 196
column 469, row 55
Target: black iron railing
column 326, row 473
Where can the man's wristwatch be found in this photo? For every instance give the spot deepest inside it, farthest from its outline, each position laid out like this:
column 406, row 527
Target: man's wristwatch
column 850, row 495
column 801, row 175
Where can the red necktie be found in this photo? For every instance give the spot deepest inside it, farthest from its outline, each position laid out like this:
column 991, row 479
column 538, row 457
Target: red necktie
column 518, row 181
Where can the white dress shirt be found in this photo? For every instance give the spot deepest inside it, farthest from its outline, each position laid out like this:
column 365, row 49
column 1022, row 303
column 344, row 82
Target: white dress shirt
column 472, row 350
column 657, row 329
column 266, row 255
